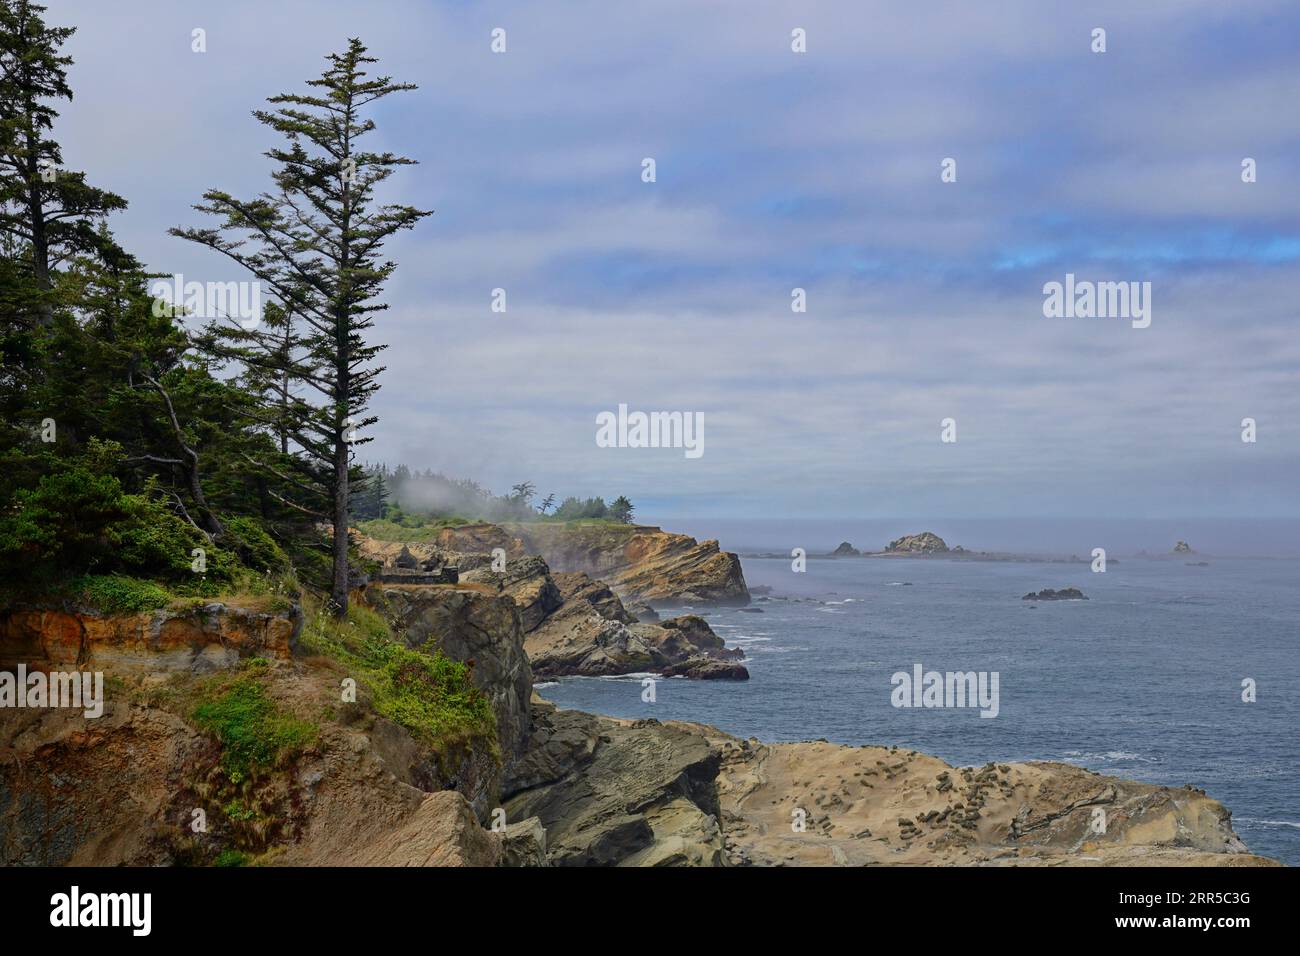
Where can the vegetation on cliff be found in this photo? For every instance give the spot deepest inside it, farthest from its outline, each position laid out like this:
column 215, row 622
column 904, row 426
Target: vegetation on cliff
column 431, row 695
column 255, row 735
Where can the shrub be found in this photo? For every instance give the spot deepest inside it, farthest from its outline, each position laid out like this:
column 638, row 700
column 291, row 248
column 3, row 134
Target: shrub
column 256, row 549
column 255, row 735
column 118, row 594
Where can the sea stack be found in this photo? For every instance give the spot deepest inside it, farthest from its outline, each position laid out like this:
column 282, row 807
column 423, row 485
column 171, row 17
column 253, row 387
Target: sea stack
column 927, row 542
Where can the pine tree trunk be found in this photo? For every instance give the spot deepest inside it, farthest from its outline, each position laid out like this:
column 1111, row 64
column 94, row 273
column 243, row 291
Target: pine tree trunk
column 339, row 590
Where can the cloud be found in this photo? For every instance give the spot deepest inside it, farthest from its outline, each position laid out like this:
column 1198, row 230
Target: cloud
column 778, row 170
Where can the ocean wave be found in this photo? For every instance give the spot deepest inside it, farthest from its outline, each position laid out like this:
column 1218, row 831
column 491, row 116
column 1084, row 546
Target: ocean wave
column 1266, row 823
column 638, row 676
column 1115, row 755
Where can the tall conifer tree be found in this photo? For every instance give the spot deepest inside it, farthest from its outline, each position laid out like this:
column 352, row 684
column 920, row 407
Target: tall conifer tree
column 315, row 241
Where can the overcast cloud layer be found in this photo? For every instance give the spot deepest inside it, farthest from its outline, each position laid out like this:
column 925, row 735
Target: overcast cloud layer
column 778, row 170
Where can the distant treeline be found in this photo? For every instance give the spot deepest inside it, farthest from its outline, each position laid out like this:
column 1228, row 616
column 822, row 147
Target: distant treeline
column 402, row 490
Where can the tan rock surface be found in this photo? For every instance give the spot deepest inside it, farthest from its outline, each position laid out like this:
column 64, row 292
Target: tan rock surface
column 193, row 636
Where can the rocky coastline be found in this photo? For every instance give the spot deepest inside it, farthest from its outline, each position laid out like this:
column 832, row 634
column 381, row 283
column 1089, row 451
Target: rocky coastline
column 553, row 787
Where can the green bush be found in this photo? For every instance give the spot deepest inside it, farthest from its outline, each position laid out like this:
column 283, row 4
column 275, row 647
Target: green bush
column 232, row 858
column 256, row 549
column 77, row 519
column 255, row 735
column 118, row 594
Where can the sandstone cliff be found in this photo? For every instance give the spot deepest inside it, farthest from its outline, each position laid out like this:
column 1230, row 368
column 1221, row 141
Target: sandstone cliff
column 645, row 793
column 573, row 624
column 641, row 563
column 593, row 634
column 468, row 623
column 188, row 636
column 576, row 789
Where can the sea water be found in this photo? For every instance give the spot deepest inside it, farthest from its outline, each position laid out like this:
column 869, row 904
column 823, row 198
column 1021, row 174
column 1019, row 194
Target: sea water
column 1143, row 680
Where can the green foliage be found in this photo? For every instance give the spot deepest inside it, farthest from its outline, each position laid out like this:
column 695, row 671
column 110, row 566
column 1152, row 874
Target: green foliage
column 430, row 695
column 232, row 858
column 573, row 508
column 621, row 510
column 78, row 520
column 255, row 735
column 119, row 594
column 255, row 548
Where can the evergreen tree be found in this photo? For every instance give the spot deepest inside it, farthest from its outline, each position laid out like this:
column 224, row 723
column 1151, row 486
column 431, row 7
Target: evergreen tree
column 315, row 242
column 621, row 510
column 50, row 211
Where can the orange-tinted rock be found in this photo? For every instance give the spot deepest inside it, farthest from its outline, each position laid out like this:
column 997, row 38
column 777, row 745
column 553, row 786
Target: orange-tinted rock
column 199, row 637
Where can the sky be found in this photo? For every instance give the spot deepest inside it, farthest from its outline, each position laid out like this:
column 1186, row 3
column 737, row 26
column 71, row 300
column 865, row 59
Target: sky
column 777, row 170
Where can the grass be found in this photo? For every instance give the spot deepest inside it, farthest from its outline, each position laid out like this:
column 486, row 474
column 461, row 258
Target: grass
column 431, row 695
column 255, row 735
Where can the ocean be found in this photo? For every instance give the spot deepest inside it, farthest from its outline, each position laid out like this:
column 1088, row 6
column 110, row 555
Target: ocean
column 1143, row 680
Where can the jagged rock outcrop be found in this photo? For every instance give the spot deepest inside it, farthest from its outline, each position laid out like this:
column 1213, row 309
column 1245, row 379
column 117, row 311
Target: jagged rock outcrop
column 468, row 623
column 1182, row 547
column 641, row 792
column 643, row 612
column 630, row 793
column 524, row 844
column 1050, row 594
column 640, row 562
column 877, row 805
column 845, row 550
column 927, row 542
column 593, row 634
column 528, row 582
column 579, row 591
column 707, row 668
column 195, row 636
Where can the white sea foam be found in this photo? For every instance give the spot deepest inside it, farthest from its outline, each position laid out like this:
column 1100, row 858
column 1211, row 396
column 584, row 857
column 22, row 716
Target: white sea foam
column 1267, row 823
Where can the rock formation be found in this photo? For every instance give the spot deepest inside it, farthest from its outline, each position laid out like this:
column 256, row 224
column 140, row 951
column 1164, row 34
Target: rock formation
column 593, row 634
column 641, row 563
column 468, row 623
column 926, row 542
column 642, row 793
column 1049, row 594
column 190, row 635
column 845, row 550
column 1182, row 547
column 577, row 789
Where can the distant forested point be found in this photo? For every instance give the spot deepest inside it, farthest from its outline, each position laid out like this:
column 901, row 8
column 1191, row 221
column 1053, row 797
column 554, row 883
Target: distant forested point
column 409, row 496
